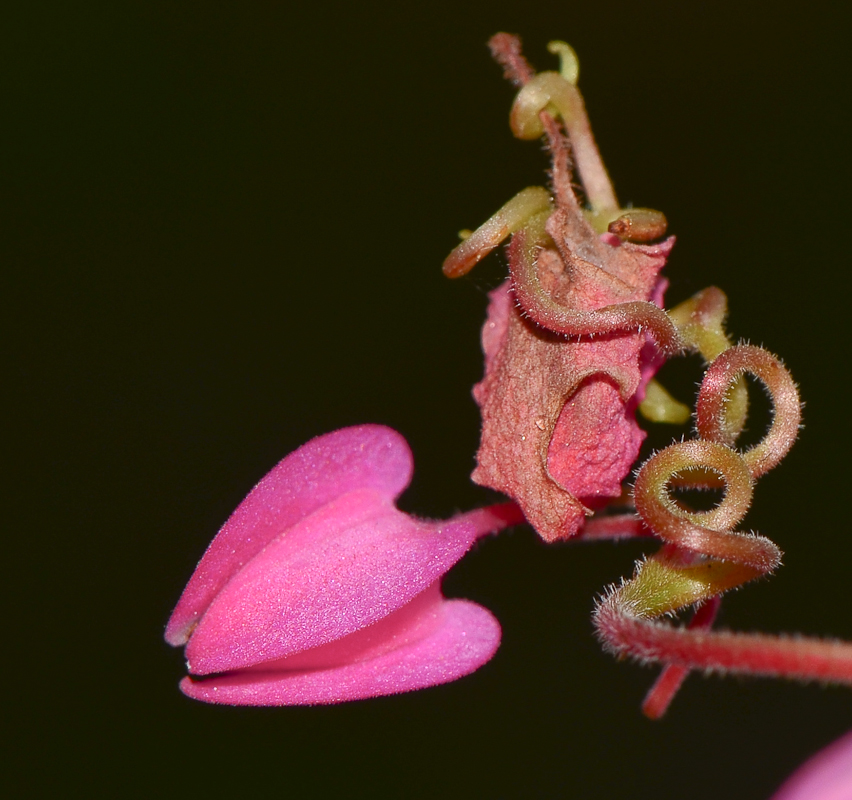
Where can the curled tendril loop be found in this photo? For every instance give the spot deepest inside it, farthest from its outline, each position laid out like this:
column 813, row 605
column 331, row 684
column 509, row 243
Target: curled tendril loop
column 569, row 64
column 708, row 533
column 713, row 401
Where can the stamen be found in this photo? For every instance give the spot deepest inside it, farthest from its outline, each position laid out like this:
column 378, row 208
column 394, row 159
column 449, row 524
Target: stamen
column 569, row 64
column 701, row 324
column 639, row 225
column 660, row 406
column 549, row 91
column 510, row 218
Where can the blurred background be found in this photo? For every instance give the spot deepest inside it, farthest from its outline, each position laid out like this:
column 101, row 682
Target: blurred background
column 223, row 227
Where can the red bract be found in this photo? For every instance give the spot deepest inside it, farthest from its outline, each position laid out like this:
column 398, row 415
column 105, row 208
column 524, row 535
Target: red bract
column 318, row 590
column 559, row 433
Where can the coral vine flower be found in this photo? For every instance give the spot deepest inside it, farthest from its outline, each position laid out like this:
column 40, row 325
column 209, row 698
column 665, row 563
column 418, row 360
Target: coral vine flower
column 318, row 590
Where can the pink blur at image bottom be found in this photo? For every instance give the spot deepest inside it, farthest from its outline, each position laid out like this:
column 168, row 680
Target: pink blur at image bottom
column 826, row 776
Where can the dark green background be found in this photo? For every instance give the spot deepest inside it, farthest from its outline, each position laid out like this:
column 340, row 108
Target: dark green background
column 222, row 230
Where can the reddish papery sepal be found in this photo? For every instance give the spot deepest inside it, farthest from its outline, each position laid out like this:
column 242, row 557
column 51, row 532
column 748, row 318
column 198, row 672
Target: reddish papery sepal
column 361, row 457
column 427, row 642
column 558, row 433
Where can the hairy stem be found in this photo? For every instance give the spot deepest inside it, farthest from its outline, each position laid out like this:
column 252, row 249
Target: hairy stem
column 545, row 311
column 797, row 657
column 668, row 684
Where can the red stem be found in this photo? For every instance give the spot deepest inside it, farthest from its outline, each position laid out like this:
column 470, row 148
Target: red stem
column 722, row 651
column 506, row 51
column 668, row 684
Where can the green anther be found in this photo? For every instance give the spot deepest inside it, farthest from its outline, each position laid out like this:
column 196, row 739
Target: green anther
column 569, row 64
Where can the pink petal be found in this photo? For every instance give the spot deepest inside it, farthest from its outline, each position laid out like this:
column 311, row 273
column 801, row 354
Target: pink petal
column 427, row 642
column 827, row 776
column 361, row 457
column 340, row 569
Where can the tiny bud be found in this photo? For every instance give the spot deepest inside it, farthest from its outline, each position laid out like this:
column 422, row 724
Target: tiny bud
column 639, row 225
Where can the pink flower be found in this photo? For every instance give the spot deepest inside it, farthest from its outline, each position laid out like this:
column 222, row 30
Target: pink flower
column 826, row 776
column 318, row 590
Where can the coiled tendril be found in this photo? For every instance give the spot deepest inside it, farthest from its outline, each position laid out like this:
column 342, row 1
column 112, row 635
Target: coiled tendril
column 704, row 556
